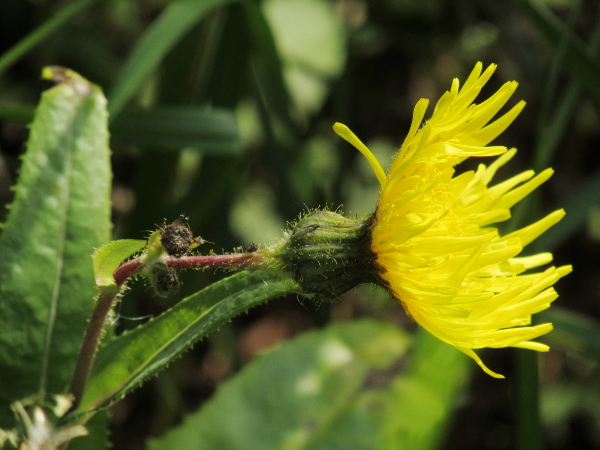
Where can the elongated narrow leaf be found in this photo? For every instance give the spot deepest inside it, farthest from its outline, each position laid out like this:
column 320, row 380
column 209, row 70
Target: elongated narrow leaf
column 274, row 105
column 315, row 392
column 577, row 206
column 573, row 332
column 169, row 128
column 529, row 424
column 42, row 33
column 209, row 130
column 61, row 212
column 550, row 139
column 267, row 67
column 130, row 359
column 581, row 62
column 16, row 112
column 166, row 31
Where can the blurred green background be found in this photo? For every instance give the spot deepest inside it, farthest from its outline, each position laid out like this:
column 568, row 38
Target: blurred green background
column 222, row 111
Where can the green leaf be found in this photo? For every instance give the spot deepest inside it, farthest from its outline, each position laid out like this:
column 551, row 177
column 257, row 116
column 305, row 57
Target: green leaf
column 274, row 105
column 577, row 207
column 17, row 113
column 42, row 33
column 171, row 26
column 209, row 130
column 580, row 60
column 551, row 134
column 311, row 60
column 61, row 212
column 573, row 332
column 315, row 392
column 97, row 438
column 172, row 128
column 109, row 257
column 128, row 360
column 529, row 425
column 267, row 68
column 421, row 401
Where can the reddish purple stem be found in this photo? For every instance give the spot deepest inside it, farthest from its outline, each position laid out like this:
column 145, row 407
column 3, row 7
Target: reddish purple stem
column 237, row 260
column 127, row 270
column 93, row 334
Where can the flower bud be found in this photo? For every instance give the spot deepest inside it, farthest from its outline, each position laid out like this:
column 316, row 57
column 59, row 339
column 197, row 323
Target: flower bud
column 329, row 254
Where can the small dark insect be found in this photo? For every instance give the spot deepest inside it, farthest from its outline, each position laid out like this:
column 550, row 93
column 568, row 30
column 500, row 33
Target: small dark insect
column 165, row 281
column 252, row 248
column 178, row 239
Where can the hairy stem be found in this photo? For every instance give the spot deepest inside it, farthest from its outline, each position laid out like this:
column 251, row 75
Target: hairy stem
column 234, row 260
column 95, row 329
column 89, row 346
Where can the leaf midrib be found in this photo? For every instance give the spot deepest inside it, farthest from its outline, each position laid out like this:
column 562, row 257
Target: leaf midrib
column 64, row 213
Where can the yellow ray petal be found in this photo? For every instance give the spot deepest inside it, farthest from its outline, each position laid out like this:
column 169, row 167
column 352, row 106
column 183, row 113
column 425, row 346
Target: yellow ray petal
column 344, row 132
column 418, row 114
column 493, row 130
column 472, row 354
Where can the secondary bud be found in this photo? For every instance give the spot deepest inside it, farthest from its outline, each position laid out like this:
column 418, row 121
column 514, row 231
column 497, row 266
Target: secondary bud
column 178, row 239
column 163, row 279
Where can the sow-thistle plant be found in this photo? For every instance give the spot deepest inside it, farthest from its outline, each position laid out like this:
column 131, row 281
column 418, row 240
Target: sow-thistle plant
column 435, row 248
column 431, row 241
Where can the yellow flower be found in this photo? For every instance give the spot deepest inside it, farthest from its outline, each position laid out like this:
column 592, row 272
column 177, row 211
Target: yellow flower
column 432, row 236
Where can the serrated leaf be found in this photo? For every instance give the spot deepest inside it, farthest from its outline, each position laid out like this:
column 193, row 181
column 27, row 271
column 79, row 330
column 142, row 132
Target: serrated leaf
column 314, row 392
column 130, row 359
column 60, row 213
column 110, row 256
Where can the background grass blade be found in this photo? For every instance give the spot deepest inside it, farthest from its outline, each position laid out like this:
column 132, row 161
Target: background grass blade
column 174, row 128
column 530, row 434
column 166, row 31
column 268, row 67
column 579, row 60
column 573, row 332
column 551, row 134
column 578, row 206
column 17, row 113
column 550, row 137
column 212, row 130
column 41, row 34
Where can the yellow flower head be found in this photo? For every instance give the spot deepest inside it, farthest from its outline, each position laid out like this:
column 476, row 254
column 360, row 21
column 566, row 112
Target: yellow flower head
column 432, row 235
